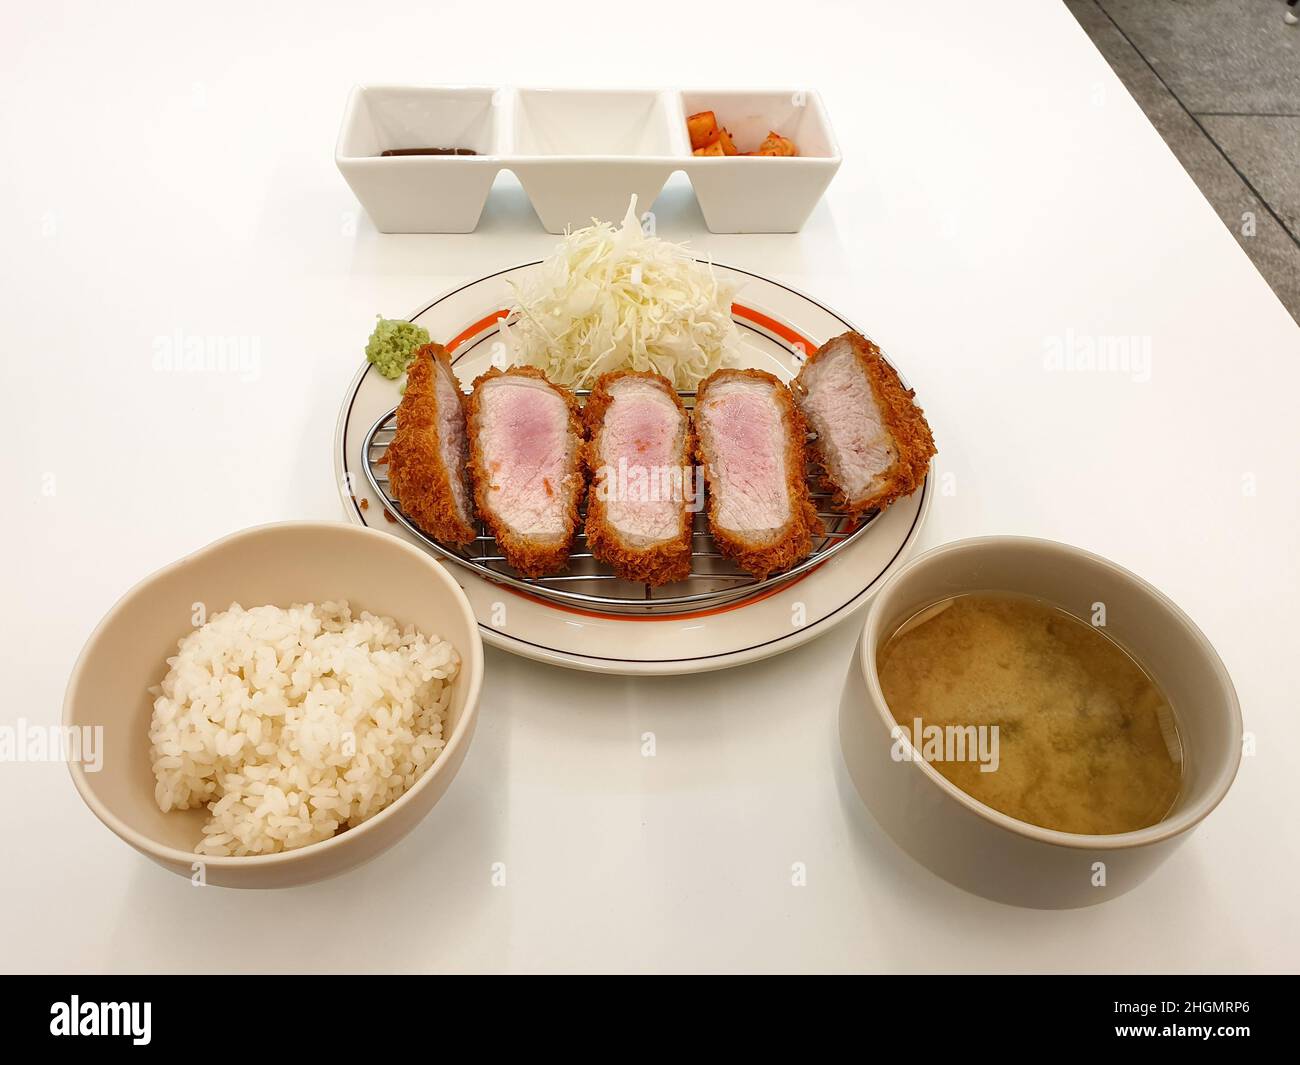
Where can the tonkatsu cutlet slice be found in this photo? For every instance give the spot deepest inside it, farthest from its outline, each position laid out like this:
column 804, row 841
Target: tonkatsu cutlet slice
column 750, row 440
column 873, row 443
column 526, row 464
column 638, row 452
column 428, row 460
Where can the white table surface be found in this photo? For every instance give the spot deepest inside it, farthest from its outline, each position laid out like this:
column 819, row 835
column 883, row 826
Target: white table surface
column 172, row 170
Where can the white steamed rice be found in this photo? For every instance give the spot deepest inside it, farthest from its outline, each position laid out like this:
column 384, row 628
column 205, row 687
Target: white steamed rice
column 291, row 724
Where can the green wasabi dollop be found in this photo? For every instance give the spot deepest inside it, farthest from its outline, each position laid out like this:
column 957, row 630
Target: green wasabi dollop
column 393, row 344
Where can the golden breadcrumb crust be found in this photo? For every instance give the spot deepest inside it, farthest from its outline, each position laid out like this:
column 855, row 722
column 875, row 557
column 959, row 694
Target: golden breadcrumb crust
column 654, row 564
column 793, row 542
column 529, row 555
column 902, row 419
column 417, row 475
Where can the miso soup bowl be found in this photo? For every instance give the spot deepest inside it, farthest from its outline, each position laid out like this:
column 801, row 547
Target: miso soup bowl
column 281, row 564
column 976, row 847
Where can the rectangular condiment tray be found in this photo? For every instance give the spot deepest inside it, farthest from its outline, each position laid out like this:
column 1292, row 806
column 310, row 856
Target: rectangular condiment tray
column 579, row 154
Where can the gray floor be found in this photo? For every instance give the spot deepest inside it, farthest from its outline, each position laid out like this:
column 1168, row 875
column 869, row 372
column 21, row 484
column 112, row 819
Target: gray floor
column 1220, row 81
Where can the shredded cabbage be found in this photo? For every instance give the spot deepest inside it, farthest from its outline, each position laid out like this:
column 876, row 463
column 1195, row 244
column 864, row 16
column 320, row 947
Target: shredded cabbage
column 617, row 298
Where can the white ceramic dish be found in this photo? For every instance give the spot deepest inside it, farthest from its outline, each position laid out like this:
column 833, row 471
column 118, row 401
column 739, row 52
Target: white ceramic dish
column 579, row 154
column 285, row 563
column 975, row 846
column 778, row 324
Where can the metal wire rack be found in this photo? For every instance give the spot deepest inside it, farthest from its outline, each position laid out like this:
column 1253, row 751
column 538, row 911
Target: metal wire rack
column 588, row 584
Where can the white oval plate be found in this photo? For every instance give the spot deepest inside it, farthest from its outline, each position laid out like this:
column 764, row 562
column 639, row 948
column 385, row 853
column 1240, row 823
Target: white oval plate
column 778, row 324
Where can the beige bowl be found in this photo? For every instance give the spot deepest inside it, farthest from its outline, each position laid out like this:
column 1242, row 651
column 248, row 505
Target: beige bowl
column 277, row 564
column 987, row 852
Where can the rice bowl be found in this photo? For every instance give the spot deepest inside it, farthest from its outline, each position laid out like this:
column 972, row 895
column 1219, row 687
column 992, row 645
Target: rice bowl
column 284, row 563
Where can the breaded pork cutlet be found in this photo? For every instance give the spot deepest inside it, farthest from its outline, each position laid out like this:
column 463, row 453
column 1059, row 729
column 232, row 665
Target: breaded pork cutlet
column 428, row 460
column 526, row 464
column 750, row 440
column 639, row 455
column 873, row 443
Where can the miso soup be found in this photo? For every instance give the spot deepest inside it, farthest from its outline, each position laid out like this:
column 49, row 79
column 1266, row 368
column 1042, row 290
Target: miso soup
column 1034, row 712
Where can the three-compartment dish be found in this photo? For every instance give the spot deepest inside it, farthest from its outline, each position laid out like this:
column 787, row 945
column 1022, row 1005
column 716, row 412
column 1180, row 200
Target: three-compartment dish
column 423, row 160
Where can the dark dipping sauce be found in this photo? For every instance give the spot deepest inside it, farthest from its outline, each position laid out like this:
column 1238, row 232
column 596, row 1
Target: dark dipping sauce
column 427, row 151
